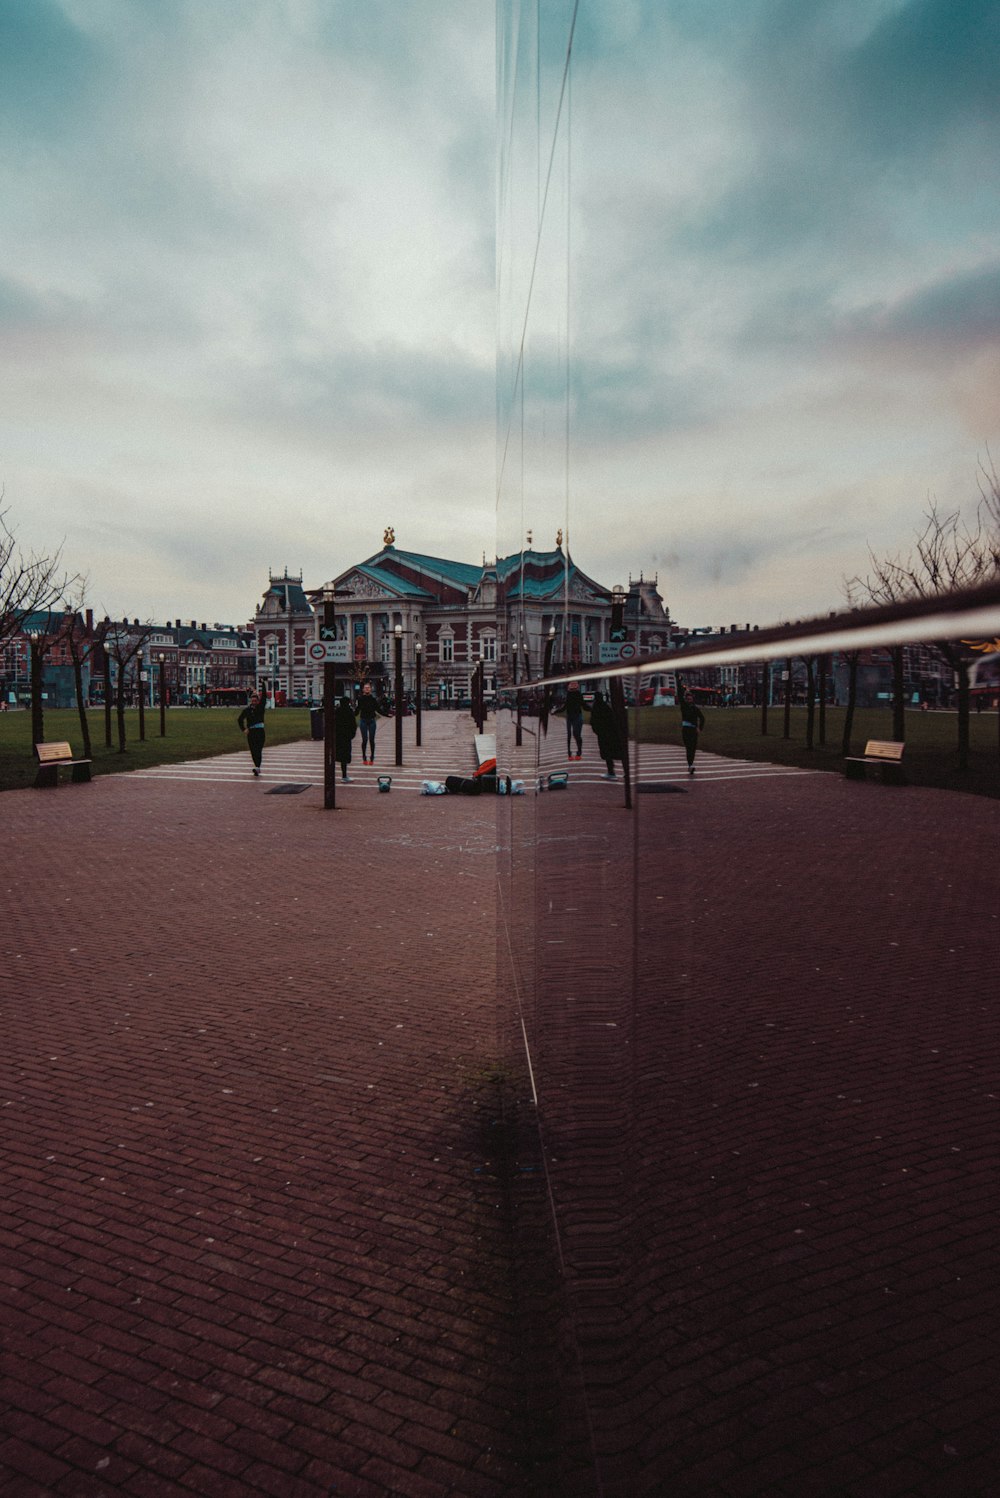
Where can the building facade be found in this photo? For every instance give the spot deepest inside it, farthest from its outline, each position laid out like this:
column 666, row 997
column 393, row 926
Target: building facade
column 508, row 614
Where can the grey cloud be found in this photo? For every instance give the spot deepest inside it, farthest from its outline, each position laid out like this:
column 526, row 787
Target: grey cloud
column 49, row 70
column 925, row 67
column 954, row 315
column 741, row 551
column 843, row 123
column 364, row 389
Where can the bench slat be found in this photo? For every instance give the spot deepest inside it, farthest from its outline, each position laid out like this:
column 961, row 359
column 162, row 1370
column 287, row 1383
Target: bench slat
column 884, row 749
column 51, row 753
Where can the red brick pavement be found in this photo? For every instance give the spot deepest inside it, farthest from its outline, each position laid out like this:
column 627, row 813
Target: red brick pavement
column 252, row 1234
column 268, row 1223
column 765, row 1039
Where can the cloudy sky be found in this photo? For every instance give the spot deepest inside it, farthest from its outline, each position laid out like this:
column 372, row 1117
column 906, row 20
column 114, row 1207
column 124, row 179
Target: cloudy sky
column 247, row 271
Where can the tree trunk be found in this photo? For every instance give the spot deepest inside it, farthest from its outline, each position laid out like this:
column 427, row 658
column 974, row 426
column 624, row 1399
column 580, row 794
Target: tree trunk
column 852, row 700
column 788, row 700
column 81, row 706
column 764, row 682
column 37, row 715
column 898, row 705
column 810, row 663
column 120, row 709
column 823, row 663
column 962, row 667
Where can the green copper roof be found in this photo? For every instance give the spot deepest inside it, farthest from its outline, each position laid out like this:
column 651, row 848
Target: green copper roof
column 461, row 574
column 392, row 580
column 290, row 595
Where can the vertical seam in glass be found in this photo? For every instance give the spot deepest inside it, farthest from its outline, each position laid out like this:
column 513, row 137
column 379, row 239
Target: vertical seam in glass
column 538, row 238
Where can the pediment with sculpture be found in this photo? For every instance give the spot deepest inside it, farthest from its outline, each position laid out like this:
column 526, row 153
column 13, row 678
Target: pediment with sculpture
column 578, row 589
column 360, row 586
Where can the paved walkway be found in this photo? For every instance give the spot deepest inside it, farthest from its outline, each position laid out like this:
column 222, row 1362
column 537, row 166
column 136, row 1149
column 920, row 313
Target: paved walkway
column 269, row 1224
column 763, row 1020
column 252, row 1238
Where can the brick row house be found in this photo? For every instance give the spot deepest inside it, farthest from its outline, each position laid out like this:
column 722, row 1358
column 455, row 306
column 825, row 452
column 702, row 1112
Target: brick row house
column 202, row 665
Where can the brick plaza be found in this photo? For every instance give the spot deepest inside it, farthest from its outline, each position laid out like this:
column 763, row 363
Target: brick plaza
column 261, row 1226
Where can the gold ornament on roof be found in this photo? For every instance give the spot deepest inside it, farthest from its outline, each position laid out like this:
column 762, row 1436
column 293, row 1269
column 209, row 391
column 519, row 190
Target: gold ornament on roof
column 559, row 536
column 389, row 536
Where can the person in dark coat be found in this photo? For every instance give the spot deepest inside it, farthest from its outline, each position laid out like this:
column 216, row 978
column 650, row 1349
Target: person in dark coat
column 574, row 720
column 692, row 722
column 251, row 722
column 345, row 726
column 602, row 721
column 368, row 716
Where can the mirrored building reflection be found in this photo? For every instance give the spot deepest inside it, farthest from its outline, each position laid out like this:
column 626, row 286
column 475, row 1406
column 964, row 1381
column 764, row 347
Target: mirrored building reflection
column 746, row 1007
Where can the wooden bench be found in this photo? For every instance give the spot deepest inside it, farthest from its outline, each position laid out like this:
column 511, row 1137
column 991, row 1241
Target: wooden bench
column 51, row 757
column 884, row 754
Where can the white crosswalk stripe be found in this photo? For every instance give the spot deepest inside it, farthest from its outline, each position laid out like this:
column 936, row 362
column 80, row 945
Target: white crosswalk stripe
column 302, row 764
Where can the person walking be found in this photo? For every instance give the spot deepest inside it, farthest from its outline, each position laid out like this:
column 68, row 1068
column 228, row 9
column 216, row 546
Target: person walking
column 602, row 721
column 692, row 722
column 251, row 722
column 574, row 720
column 345, row 726
column 368, row 716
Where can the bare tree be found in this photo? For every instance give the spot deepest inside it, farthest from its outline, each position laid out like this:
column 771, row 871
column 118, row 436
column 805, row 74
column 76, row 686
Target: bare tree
column 946, row 555
column 884, row 585
column 123, row 641
column 29, row 583
column 82, row 645
column 809, row 661
column 851, row 657
column 45, row 631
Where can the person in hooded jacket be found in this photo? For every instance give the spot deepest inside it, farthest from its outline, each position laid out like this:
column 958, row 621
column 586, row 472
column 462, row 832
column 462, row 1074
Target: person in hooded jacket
column 345, row 726
column 602, row 721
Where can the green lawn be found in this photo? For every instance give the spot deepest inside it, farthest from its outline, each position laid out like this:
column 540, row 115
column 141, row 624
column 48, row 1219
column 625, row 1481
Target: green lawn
column 192, row 733
column 931, row 756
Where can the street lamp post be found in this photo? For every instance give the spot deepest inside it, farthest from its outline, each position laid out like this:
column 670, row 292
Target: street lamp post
column 141, row 695
column 329, row 692
column 161, row 658
column 419, row 654
column 618, row 596
column 35, row 645
column 107, row 692
column 328, row 633
column 517, row 697
column 550, row 645
column 398, row 689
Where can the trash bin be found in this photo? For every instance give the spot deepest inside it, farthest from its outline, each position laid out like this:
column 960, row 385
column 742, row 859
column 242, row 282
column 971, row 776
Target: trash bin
column 316, row 722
